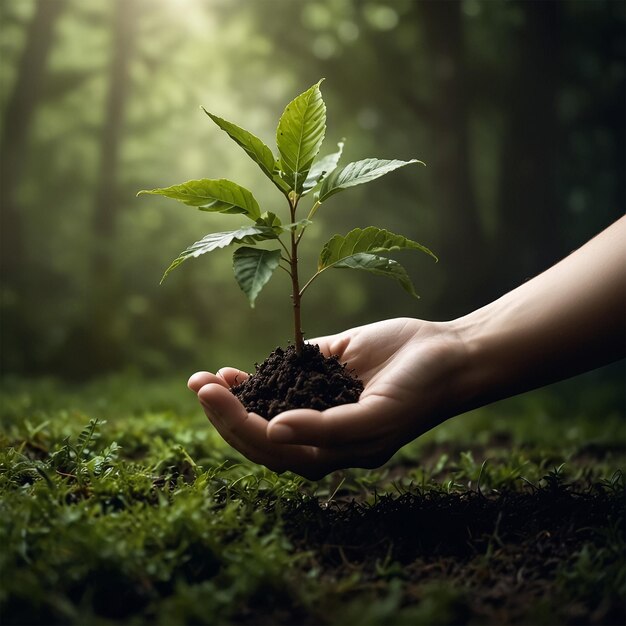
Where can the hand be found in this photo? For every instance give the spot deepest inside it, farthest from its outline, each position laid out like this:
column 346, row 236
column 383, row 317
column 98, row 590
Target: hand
column 407, row 366
column 567, row 320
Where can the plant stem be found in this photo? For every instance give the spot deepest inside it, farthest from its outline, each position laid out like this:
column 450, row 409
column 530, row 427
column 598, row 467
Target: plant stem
column 309, row 217
column 311, row 280
column 295, row 285
column 280, row 241
column 313, row 210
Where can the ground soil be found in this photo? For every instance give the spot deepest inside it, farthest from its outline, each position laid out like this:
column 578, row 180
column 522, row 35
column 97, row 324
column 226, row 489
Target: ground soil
column 286, row 380
column 507, row 552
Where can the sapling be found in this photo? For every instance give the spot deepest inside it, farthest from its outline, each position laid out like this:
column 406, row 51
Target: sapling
column 298, row 174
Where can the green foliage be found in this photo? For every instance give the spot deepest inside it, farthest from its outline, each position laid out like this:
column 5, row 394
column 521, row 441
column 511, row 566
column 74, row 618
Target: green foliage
column 370, row 239
column 79, row 460
column 322, row 167
column 150, row 518
column 299, row 136
column 255, row 148
column 296, row 172
column 220, row 196
column 253, row 268
column 379, row 265
column 356, row 251
column 213, row 241
column 358, row 173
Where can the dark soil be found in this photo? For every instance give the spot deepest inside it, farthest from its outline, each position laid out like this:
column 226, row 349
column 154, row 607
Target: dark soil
column 286, row 380
column 505, row 554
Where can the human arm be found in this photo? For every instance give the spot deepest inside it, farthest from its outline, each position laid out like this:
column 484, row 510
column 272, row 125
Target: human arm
column 567, row 320
column 417, row 374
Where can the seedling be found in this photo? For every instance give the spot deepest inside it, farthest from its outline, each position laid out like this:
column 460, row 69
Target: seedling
column 297, row 174
column 299, row 376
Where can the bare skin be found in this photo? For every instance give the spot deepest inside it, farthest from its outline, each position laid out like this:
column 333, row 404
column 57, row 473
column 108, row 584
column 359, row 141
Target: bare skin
column 417, row 374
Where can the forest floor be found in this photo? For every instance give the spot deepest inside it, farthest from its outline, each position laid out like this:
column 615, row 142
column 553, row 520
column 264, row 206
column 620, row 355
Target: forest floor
column 120, row 504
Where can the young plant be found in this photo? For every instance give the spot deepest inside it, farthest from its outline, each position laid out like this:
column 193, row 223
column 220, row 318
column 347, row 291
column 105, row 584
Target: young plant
column 297, row 173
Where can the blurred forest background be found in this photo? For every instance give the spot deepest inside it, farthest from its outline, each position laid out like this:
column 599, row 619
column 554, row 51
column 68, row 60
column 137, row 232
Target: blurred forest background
column 517, row 108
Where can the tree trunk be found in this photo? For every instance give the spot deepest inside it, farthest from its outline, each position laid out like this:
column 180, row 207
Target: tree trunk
column 96, row 339
column 16, row 123
column 17, row 120
column 106, row 201
column 448, row 160
column 527, row 240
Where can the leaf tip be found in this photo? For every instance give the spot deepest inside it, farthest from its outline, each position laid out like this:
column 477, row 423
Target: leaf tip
column 431, row 254
column 211, row 115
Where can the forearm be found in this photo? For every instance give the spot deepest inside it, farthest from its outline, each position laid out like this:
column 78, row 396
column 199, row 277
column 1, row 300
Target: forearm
column 565, row 321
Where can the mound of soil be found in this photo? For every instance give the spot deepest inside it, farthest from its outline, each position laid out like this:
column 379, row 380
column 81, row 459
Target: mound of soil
column 286, row 380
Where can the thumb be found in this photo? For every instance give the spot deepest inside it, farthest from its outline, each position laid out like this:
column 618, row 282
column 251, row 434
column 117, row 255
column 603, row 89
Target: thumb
column 339, row 426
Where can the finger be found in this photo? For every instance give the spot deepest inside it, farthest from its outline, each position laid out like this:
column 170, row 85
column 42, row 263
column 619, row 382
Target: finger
column 200, row 379
column 227, row 415
column 247, row 433
column 331, row 345
column 232, row 376
column 348, row 424
column 224, row 407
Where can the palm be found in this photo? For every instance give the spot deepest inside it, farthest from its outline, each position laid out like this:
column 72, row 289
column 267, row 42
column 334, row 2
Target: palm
column 399, row 363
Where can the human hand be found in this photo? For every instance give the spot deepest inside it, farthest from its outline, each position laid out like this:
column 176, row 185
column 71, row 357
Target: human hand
column 567, row 320
column 407, row 368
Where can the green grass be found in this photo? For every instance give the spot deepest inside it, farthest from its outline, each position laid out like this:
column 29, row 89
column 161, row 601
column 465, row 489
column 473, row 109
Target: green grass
column 119, row 503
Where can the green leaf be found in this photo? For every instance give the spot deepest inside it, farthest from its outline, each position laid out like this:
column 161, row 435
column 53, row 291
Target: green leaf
column 220, row 196
column 299, row 224
column 258, row 151
column 299, row 136
column 214, row 241
column 322, row 168
column 355, row 251
column 359, row 240
column 271, row 220
column 379, row 265
column 253, row 268
column 358, row 173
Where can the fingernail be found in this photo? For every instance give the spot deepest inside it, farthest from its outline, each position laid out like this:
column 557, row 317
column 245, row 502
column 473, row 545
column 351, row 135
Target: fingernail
column 281, row 433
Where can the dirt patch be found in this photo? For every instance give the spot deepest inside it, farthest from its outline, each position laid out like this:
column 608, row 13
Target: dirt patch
column 286, row 380
column 508, row 555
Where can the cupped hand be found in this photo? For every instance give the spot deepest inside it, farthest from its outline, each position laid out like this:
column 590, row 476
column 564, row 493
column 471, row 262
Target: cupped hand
column 408, row 368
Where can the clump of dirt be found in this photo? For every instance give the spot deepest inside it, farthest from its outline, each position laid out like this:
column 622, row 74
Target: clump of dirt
column 286, row 380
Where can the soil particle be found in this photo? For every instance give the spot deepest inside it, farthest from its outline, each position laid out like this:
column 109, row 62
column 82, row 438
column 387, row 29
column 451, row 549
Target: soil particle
column 286, row 380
